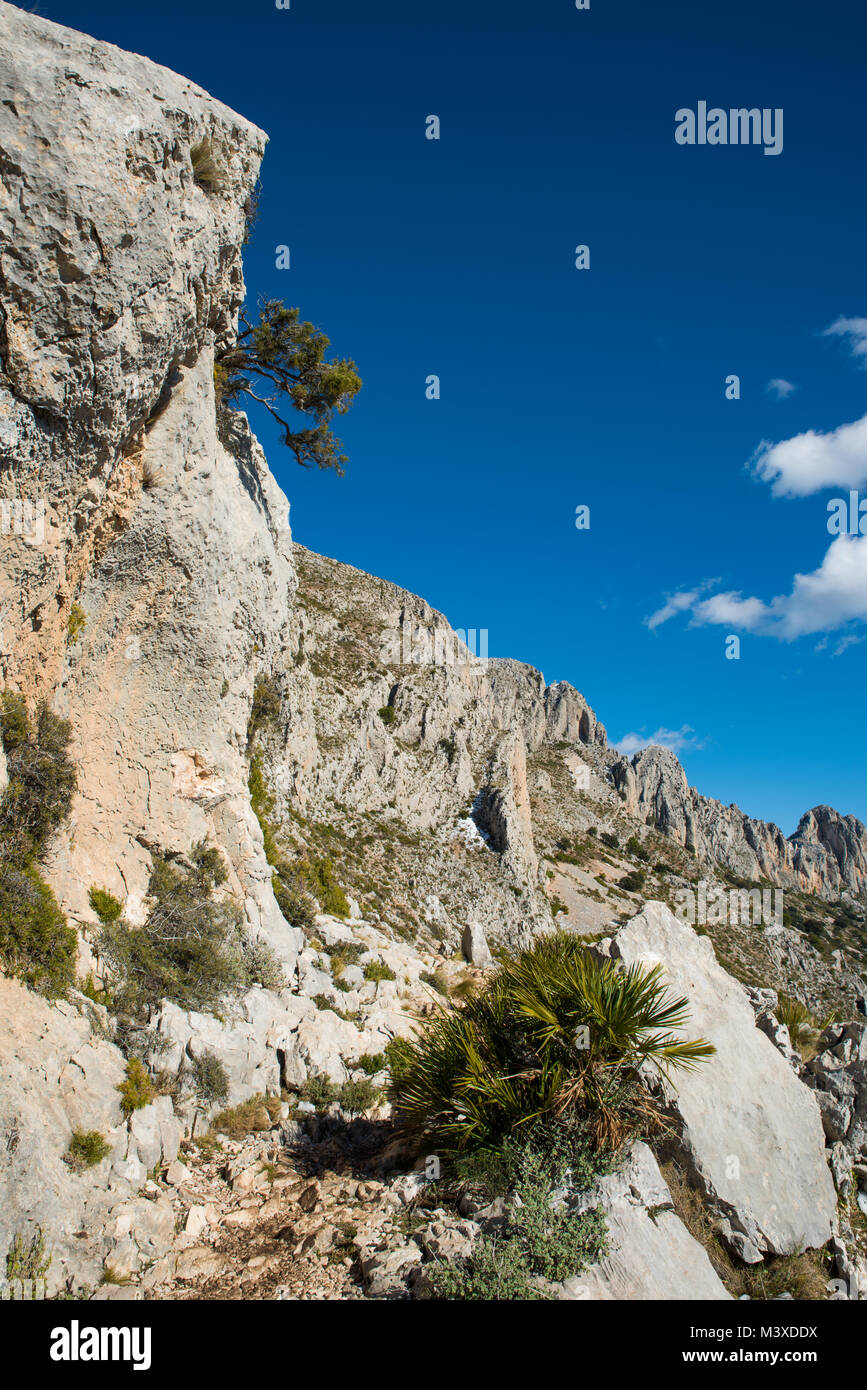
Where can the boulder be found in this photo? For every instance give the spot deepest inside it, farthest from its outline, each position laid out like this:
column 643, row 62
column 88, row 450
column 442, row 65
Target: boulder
column 750, row 1130
column 838, row 1076
column 475, row 946
column 56, row 1076
column 651, row 1253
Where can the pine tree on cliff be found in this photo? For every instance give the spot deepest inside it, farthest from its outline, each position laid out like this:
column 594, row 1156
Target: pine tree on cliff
column 279, row 356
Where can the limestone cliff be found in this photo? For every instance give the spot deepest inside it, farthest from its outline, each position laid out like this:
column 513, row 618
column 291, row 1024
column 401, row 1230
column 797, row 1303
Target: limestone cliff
column 120, row 270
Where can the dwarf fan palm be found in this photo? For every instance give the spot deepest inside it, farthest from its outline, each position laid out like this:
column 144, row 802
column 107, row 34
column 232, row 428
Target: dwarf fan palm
column 556, row 1030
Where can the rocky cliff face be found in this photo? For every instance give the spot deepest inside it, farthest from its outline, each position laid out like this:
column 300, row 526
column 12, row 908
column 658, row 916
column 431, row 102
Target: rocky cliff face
column 826, row 855
column 120, row 271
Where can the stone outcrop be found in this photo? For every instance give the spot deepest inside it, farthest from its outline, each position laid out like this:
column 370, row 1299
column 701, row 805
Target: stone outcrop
column 651, row 1253
column 59, row 1074
column 827, row 854
column 121, row 271
column 838, row 1076
column 751, row 1132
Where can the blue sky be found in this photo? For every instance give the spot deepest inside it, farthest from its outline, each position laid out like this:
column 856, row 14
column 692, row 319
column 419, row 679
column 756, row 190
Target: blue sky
column 559, row 386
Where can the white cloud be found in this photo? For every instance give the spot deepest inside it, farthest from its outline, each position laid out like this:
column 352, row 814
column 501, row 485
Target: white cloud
column 675, row 739
column 731, row 610
column 780, row 388
column 850, row 640
column 827, row 599
column 853, row 329
column 810, row 461
column 678, row 603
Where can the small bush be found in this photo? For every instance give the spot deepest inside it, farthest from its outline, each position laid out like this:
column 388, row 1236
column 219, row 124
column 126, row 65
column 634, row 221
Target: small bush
column 105, row 905
column 36, row 944
column 377, row 970
column 632, row 883
column 42, row 778
column 209, row 864
column 192, row 948
column 610, row 840
column 387, row 714
column 97, row 994
column 343, row 954
column 207, row 172
column 137, row 1090
column 357, row 1097
column 554, row 1032
column 26, row 1262
column 265, row 707
column 636, row 848
column 294, row 900
column 803, row 1027
column 318, row 874
column 250, row 1117
column 86, row 1149
column 540, row 1241
column 75, row 624
column 436, row 980
column 210, row 1079
column 372, row 1062
column 319, row 1091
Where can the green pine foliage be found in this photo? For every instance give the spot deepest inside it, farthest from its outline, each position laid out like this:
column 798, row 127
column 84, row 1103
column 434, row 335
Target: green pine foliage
column 279, row 356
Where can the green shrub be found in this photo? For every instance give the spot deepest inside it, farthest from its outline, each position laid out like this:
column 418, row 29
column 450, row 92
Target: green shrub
column 372, row 1062
column 436, row 980
column 86, row 1149
column 265, row 707
column 541, row 1240
column 14, row 722
column 192, row 948
column 319, row 1091
column 318, row 874
column 636, row 848
column 137, row 1090
column 36, row 944
column 294, row 900
column 250, row 1117
column 209, row 864
column 343, row 954
column 610, row 840
column 513, row 1051
column 41, row 776
column 296, row 883
column 75, row 624
column 105, row 905
column 262, row 803
column 632, row 883
column 97, row 994
column 210, row 1079
column 803, row 1028
column 357, row 1097
column 29, row 1261
column 377, row 970
column 387, row 714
